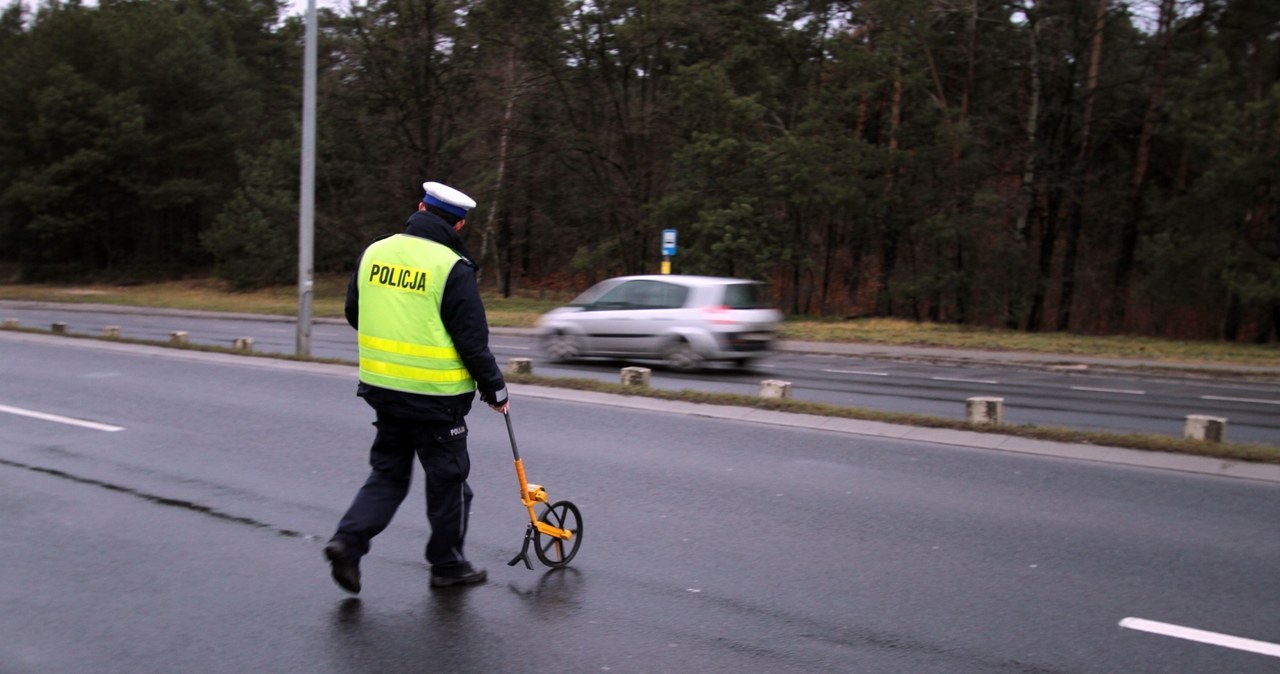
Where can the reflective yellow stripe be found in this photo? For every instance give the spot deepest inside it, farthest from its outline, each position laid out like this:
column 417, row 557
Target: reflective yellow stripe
column 392, row 346
column 413, row 373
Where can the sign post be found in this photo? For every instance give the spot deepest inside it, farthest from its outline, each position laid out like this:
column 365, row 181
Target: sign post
column 307, row 189
column 668, row 249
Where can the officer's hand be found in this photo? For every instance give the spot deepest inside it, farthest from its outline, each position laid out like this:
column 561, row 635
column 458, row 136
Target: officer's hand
column 497, row 400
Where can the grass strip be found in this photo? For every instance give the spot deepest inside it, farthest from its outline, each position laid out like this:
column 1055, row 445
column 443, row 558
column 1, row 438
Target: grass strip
column 522, row 311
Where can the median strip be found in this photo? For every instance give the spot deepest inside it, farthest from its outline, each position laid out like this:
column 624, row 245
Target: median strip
column 1155, row 444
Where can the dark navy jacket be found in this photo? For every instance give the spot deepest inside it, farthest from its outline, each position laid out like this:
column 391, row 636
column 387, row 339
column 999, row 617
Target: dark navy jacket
column 462, row 313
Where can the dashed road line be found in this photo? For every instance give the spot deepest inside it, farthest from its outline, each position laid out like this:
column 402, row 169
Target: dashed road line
column 1109, row 390
column 57, row 418
column 863, row 372
column 965, row 381
column 1241, row 400
column 1202, row 636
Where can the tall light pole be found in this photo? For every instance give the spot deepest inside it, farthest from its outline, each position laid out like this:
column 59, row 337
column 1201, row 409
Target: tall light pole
column 307, row 200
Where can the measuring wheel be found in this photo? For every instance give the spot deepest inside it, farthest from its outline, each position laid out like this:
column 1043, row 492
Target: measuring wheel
column 556, row 552
column 557, row 533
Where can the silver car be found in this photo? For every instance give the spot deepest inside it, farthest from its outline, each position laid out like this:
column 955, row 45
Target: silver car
column 682, row 320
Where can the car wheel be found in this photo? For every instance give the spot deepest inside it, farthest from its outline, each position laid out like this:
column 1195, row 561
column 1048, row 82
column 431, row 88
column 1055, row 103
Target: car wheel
column 561, row 347
column 681, row 356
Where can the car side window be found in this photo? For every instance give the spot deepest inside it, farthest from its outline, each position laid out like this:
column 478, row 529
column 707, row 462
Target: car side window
column 593, row 294
column 620, row 297
column 744, row 296
column 665, row 295
column 642, row 295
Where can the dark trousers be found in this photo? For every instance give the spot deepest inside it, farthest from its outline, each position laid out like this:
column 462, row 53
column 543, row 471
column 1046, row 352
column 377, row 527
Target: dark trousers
column 442, row 451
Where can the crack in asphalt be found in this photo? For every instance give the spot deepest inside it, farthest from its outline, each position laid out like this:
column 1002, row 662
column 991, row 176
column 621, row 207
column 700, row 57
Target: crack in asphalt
column 157, row 499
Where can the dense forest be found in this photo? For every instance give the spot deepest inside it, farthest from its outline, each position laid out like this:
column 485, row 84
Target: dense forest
column 1097, row 166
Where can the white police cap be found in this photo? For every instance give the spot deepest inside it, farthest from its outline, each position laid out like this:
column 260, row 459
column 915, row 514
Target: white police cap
column 445, row 197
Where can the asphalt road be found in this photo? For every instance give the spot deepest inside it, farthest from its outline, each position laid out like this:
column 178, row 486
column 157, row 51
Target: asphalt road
column 1071, row 392
column 164, row 511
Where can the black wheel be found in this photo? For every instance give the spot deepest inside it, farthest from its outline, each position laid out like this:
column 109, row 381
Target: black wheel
column 681, row 356
column 556, row 552
column 561, row 347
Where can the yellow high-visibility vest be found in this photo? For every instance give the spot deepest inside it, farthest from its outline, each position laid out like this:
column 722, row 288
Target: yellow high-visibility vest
column 403, row 343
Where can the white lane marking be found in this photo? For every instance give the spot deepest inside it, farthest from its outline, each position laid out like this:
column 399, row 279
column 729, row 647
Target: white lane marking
column 869, row 374
column 1192, row 634
column 966, row 381
column 1241, row 400
column 1109, row 390
column 60, row 419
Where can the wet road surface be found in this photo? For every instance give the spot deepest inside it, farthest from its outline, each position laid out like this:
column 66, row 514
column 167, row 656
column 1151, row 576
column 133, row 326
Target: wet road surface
column 177, row 526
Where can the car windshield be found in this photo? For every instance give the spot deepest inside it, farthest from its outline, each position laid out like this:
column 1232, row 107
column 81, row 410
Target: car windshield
column 744, row 296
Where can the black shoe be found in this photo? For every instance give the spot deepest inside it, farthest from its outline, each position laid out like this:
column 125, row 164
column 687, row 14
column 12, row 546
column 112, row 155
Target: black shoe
column 462, row 575
column 345, row 568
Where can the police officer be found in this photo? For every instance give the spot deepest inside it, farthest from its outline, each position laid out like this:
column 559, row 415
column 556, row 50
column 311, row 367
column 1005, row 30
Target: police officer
column 424, row 351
